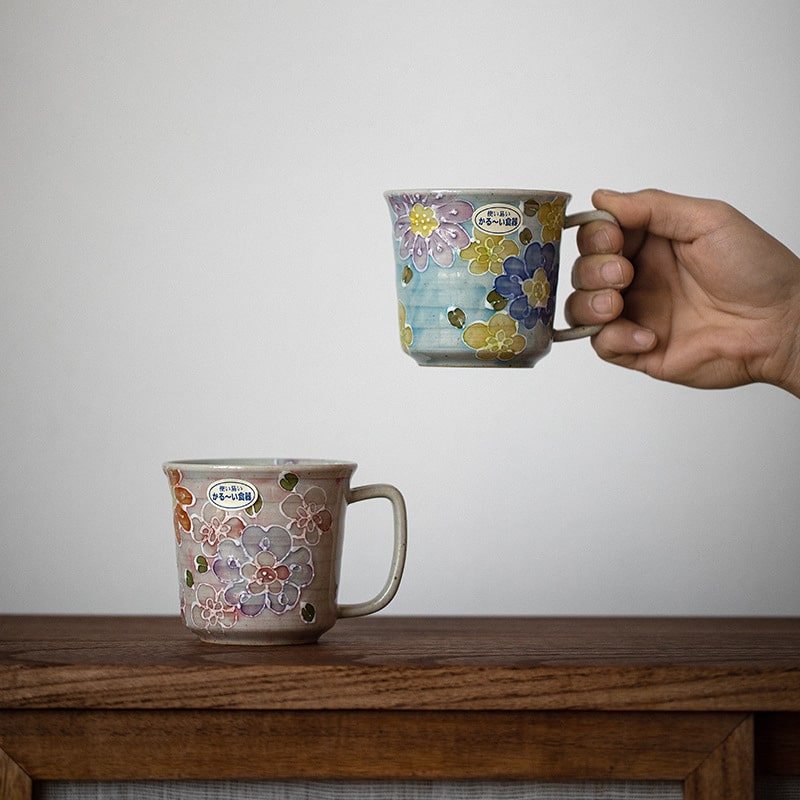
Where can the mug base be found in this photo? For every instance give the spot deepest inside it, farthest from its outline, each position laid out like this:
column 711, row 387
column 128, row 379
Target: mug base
column 444, row 358
column 262, row 639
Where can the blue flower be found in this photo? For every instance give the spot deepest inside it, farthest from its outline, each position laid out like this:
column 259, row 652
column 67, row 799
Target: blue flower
column 529, row 284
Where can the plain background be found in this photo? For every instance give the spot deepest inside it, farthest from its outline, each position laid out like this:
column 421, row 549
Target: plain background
column 196, row 261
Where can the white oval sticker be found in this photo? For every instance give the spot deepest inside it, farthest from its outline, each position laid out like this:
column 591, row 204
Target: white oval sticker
column 497, row 218
column 232, row 494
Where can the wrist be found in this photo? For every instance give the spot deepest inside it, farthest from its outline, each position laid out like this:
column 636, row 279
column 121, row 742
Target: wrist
column 789, row 379
column 781, row 367
column 781, row 359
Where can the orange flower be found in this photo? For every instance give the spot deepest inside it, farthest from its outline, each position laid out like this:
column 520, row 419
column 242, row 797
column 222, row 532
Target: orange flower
column 181, row 499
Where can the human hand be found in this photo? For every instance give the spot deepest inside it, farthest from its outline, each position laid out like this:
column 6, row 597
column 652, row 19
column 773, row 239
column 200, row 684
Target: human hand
column 691, row 291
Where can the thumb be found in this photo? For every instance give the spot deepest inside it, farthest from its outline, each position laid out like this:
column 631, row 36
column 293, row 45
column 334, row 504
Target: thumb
column 672, row 216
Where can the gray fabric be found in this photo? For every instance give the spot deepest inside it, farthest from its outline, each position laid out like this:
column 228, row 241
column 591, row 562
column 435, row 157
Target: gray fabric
column 766, row 789
column 778, row 788
column 352, row 790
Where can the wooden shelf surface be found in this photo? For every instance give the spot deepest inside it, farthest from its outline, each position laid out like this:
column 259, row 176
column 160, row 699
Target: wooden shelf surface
column 409, row 663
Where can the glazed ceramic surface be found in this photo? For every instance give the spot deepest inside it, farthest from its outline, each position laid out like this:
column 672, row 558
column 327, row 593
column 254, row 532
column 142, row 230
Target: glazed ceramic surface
column 476, row 274
column 259, row 546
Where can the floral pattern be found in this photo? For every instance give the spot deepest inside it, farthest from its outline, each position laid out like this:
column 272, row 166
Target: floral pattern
column 182, row 498
column 212, row 526
column 238, row 564
column 551, row 216
column 211, row 610
column 488, row 252
column 263, row 570
column 498, row 338
column 406, row 332
column 430, row 226
column 528, row 283
column 309, row 516
column 444, row 314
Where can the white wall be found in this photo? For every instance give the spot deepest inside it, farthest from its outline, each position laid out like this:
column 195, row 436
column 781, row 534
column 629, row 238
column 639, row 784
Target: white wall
column 196, row 261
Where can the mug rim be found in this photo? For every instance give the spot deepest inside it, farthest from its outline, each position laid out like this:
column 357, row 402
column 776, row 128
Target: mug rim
column 262, row 465
column 479, row 191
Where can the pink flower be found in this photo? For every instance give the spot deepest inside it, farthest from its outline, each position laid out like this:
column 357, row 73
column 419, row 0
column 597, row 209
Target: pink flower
column 213, row 526
column 210, row 609
column 309, row 514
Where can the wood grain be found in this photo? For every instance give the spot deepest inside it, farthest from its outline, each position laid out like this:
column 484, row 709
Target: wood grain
column 536, row 664
column 15, row 783
column 377, row 745
column 728, row 771
column 392, row 698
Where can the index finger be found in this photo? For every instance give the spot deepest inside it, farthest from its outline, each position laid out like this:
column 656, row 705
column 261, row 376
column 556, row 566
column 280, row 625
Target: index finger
column 599, row 236
column 671, row 216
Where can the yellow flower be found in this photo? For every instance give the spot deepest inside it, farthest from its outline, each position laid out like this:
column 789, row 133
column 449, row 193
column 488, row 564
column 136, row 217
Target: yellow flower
column 497, row 338
column 551, row 215
column 537, row 289
column 423, row 220
column 406, row 332
column 487, row 253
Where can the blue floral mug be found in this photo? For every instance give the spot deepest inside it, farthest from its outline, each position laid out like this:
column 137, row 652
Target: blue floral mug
column 476, row 274
column 259, row 547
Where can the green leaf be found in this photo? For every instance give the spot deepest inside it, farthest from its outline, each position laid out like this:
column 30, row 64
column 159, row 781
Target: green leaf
column 408, row 274
column 457, row 317
column 530, row 208
column 189, row 578
column 288, row 481
column 525, row 236
column 308, row 612
column 256, row 507
column 202, row 564
column 496, row 300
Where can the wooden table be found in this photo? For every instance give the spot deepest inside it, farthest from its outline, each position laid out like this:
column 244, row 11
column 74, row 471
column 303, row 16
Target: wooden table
column 709, row 702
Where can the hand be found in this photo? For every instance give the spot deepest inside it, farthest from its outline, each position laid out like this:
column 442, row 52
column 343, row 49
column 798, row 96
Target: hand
column 691, row 291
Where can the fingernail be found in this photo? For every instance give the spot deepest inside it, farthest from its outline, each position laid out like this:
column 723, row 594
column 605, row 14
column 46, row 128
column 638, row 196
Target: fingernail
column 601, row 303
column 611, row 272
column 601, row 242
column 644, row 338
column 609, row 191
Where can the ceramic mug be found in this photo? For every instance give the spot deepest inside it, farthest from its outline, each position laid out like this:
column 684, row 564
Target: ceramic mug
column 259, row 546
column 477, row 271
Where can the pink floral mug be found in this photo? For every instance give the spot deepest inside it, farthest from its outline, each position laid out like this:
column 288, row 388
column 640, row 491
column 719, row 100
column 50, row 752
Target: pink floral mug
column 476, row 274
column 259, row 547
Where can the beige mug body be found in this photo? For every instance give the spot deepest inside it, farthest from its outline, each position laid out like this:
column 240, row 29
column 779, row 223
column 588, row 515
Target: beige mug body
column 259, row 546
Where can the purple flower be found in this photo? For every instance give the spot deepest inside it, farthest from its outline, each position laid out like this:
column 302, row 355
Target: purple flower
column 430, row 225
column 263, row 571
column 529, row 283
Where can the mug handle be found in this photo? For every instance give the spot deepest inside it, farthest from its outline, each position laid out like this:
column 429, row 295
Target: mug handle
column 385, row 596
column 581, row 218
